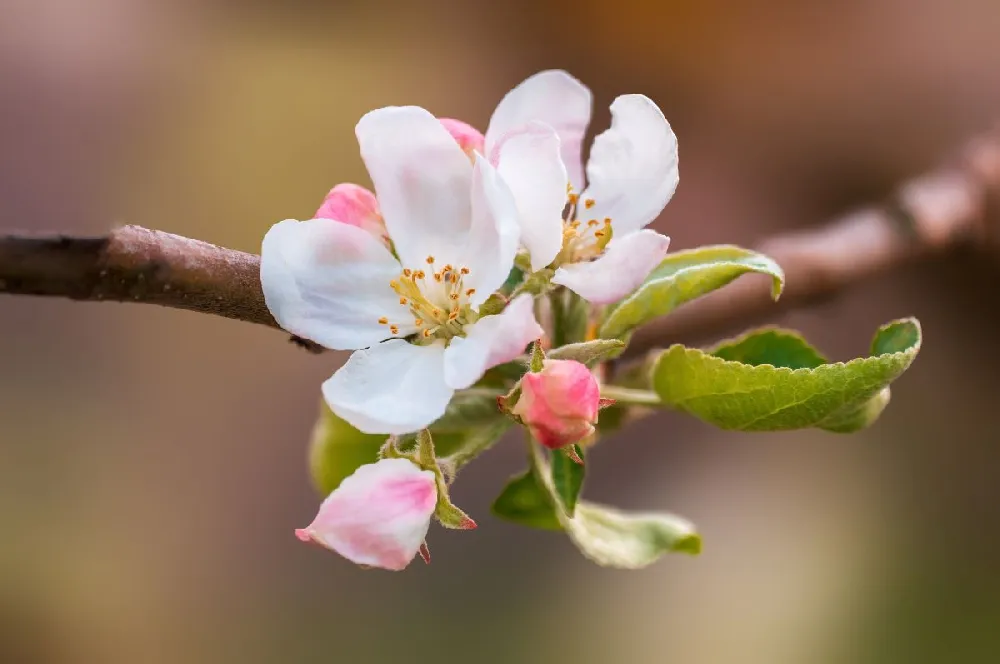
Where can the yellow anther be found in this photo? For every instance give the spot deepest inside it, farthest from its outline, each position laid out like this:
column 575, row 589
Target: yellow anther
column 418, row 322
column 573, row 198
column 464, row 270
column 383, row 321
column 469, row 292
column 453, row 278
column 448, row 268
column 589, row 203
column 453, row 296
column 437, row 276
column 598, row 233
column 407, row 272
column 453, row 315
column 402, row 300
column 427, row 333
column 430, row 260
column 419, row 274
column 592, row 223
column 394, row 329
column 607, row 221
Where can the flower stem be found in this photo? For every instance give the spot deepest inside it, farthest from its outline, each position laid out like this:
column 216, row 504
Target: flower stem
column 630, row 397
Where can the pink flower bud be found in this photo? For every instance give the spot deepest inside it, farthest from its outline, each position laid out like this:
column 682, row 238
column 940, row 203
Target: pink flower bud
column 468, row 137
column 559, row 404
column 378, row 516
column 355, row 206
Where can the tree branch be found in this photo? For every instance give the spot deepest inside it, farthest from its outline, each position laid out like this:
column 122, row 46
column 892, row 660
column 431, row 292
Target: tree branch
column 953, row 206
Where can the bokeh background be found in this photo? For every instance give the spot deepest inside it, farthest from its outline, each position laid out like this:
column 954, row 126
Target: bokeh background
column 152, row 462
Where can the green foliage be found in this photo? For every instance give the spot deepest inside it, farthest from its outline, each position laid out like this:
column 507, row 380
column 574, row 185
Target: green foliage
column 773, row 380
column 588, row 352
column 524, row 502
column 337, row 449
column 567, row 478
column 605, row 535
column 570, row 317
column 682, row 277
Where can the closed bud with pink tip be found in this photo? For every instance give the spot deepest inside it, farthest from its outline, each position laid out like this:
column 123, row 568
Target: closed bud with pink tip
column 559, row 404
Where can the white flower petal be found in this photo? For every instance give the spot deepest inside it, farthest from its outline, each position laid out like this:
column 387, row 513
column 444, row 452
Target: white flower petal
column 422, row 180
column 491, row 341
column 393, row 387
column 494, row 236
column 532, row 167
column 555, row 98
column 632, row 171
column 378, row 516
column 618, row 271
column 329, row 282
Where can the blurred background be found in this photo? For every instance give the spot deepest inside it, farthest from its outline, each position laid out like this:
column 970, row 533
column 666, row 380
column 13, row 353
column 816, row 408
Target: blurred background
column 152, row 461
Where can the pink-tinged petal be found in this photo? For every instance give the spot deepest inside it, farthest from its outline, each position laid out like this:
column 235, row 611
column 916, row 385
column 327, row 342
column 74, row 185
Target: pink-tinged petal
column 623, row 266
column 491, row 341
column 468, row 137
column 393, row 387
column 329, row 282
column 559, row 404
column 555, row 98
column 422, row 179
column 632, row 171
column 355, row 206
column 494, row 235
column 378, row 516
column 531, row 165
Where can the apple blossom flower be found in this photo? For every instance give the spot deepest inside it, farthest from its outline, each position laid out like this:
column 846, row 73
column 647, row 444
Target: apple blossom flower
column 378, row 516
column 559, row 404
column 411, row 314
column 601, row 248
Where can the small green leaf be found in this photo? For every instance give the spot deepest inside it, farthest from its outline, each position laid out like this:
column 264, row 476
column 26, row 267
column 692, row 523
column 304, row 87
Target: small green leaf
column 537, row 357
column 525, row 502
column 781, row 383
column 567, row 478
column 588, row 352
column 684, row 276
column 465, row 446
column 570, row 317
column 337, row 449
column 469, row 408
column 629, row 541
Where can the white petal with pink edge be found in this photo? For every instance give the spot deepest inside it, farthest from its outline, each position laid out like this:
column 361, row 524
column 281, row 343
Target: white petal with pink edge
column 329, row 282
column 378, row 516
column 531, row 165
column 393, row 387
column 622, row 267
column 422, row 180
column 490, row 341
column 555, row 98
column 632, row 172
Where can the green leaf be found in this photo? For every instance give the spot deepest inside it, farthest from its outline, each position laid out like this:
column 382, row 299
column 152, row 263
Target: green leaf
column 337, row 449
column 774, row 346
column 588, row 352
column 684, row 276
column 567, row 478
column 613, row 538
column 570, row 317
column 524, row 501
column 780, row 382
column 463, row 447
column 469, row 408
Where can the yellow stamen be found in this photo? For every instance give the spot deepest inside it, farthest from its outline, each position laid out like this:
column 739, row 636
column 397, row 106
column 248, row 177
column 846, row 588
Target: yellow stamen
column 427, row 333
column 418, row 322
column 402, row 300
column 592, row 223
column 589, row 203
column 464, row 270
column 430, row 260
column 383, row 321
column 407, row 272
column 394, row 329
column 573, row 198
column 469, row 292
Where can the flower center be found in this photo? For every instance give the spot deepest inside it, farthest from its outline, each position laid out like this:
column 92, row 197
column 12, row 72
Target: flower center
column 583, row 240
column 438, row 301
